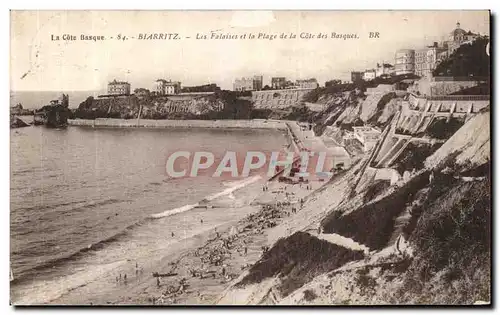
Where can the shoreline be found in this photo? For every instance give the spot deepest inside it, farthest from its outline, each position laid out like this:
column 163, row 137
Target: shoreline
column 166, row 123
column 181, row 250
column 201, row 267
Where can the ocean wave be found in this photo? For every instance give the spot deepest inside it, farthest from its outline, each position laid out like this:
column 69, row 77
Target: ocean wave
column 226, row 192
column 78, row 253
column 102, row 243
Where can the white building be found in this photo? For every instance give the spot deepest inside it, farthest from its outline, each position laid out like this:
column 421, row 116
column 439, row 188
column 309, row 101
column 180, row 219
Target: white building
column 369, row 75
column 368, row 136
column 405, row 61
column 164, row 87
column 118, row 88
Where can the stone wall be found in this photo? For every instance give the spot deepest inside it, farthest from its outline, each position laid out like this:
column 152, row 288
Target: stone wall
column 430, row 87
column 150, row 123
column 278, row 98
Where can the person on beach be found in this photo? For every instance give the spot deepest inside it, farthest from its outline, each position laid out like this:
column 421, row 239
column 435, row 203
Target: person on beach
column 201, row 221
column 125, row 278
column 158, row 282
column 173, row 234
column 246, row 250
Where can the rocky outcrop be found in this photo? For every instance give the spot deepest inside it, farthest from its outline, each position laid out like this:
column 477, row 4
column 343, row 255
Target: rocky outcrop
column 187, row 106
column 54, row 116
column 470, row 144
column 15, row 122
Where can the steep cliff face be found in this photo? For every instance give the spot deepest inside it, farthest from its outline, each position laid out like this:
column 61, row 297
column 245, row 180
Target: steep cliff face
column 429, row 236
column 470, row 144
column 220, row 105
column 129, row 107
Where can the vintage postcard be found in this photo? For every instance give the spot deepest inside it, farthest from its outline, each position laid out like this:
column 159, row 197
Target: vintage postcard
column 250, row 158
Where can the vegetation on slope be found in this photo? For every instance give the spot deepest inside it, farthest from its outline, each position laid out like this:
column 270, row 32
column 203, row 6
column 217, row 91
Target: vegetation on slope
column 441, row 129
column 468, row 60
column 413, row 156
column 373, row 224
column 452, row 244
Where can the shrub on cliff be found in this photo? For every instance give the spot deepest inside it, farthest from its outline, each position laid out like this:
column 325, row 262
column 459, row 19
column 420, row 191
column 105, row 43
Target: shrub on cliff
column 413, row 156
column 441, row 129
column 468, row 60
column 452, row 245
column 298, row 259
column 373, row 224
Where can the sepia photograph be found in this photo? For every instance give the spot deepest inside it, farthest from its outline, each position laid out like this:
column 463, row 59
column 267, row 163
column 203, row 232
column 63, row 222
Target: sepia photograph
column 278, row 158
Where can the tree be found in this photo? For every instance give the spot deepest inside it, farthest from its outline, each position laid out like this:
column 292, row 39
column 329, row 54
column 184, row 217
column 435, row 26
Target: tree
column 142, row 91
column 469, row 60
column 332, row 82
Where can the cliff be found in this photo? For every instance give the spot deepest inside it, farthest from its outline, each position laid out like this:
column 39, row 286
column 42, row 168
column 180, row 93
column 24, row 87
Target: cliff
column 469, row 145
column 428, row 236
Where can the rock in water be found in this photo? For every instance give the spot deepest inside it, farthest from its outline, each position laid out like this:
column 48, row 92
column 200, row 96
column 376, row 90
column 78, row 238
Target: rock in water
column 15, row 122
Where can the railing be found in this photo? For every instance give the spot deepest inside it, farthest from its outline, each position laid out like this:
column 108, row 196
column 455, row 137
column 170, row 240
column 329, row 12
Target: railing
column 443, row 78
column 413, row 97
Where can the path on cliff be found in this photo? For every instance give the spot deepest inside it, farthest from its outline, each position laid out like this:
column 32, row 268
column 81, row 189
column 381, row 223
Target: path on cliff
column 343, row 241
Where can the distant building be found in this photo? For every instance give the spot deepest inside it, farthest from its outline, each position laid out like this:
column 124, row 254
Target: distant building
column 405, row 61
column 257, row 83
column 118, row 88
column 459, row 37
column 369, row 75
column 357, row 76
column 248, row 84
column 427, row 59
column 278, row 83
column 311, row 83
column 164, row 87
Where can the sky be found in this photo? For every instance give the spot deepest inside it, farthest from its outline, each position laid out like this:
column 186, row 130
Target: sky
column 39, row 63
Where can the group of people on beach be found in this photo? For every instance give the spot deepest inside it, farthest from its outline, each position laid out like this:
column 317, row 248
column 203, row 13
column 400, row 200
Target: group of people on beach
column 119, row 278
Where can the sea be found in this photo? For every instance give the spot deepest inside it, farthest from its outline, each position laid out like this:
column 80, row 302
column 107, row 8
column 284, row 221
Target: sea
column 38, row 99
column 85, row 200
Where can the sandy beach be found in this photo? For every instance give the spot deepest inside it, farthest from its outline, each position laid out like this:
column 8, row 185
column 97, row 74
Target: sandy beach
column 198, row 269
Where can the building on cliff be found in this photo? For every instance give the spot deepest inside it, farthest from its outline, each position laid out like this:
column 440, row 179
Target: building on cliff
column 423, row 61
column 369, row 75
column 405, row 61
column 311, row 83
column 164, row 87
column 248, row 84
column 384, row 69
column 458, row 37
column 278, row 83
column 427, row 59
column 357, row 76
column 118, row 88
